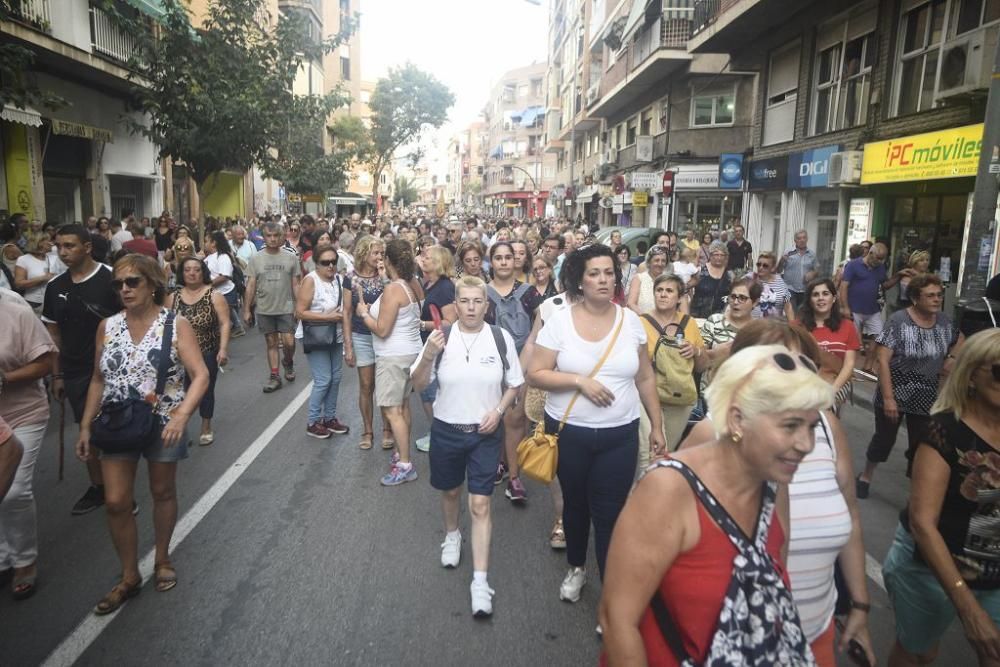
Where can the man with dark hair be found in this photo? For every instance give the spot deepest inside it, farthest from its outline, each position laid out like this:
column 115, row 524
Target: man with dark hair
column 75, row 303
column 740, row 250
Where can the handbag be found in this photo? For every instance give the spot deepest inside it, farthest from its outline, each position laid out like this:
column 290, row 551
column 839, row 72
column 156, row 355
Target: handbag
column 132, row 425
column 538, row 454
column 321, row 335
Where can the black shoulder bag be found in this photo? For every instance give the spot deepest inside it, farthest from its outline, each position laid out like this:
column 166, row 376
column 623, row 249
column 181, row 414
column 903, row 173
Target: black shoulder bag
column 132, row 425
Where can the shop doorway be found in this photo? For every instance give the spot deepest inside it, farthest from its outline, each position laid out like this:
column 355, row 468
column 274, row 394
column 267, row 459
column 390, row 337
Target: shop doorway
column 62, row 200
column 934, row 223
column 826, row 236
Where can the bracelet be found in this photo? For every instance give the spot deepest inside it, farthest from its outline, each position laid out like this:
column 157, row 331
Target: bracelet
column 861, row 606
column 959, row 584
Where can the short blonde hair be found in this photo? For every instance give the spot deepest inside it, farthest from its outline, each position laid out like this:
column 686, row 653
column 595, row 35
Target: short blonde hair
column 767, row 254
column 957, row 392
column 768, row 392
column 441, row 261
column 363, row 248
column 918, row 256
column 470, row 282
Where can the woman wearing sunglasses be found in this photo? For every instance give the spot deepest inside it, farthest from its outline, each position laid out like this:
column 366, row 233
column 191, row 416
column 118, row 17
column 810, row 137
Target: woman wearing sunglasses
column 713, row 283
column 680, row 563
column 128, row 349
column 943, row 561
column 775, row 299
column 320, row 303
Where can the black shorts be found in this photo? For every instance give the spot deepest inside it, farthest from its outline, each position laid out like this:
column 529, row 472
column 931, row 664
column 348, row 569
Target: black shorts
column 456, row 455
column 76, row 394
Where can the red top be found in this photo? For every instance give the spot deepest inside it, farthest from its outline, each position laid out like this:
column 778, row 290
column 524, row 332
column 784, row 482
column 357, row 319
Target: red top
column 840, row 341
column 694, row 587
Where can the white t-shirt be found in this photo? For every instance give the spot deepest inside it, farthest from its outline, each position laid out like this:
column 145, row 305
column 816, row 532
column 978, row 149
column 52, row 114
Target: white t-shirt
column 245, row 251
column 34, row 268
column 120, row 238
column 467, row 390
column 684, row 270
column 221, row 265
column 56, row 266
column 576, row 355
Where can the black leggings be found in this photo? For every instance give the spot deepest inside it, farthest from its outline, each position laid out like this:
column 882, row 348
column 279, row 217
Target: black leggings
column 207, row 406
column 886, row 430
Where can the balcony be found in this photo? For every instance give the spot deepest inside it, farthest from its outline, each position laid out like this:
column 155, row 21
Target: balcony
column 656, row 51
column 108, row 39
column 726, row 26
column 34, row 13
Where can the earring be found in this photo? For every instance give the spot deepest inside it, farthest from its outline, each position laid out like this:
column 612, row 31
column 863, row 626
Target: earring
column 736, row 437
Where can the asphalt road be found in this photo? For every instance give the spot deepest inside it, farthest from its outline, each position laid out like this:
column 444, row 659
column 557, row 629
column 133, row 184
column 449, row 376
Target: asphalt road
column 291, row 552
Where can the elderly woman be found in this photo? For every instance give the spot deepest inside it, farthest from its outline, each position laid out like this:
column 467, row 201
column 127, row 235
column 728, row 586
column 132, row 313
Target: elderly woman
column 824, row 518
column 129, row 346
column 640, row 294
column 918, row 262
column 668, row 572
column 942, row 562
column 476, row 384
column 26, row 357
column 394, row 320
column 775, row 298
column 32, row 271
column 713, row 283
column 208, row 314
column 592, row 360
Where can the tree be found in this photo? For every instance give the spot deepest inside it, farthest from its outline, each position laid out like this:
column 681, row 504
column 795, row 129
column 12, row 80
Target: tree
column 405, row 190
column 220, row 97
column 404, row 105
column 300, row 161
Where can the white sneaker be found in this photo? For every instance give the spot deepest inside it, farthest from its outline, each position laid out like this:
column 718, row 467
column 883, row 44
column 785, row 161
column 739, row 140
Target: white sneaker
column 573, row 584
column 423, row 444
column 482, row 599
column 451, row 550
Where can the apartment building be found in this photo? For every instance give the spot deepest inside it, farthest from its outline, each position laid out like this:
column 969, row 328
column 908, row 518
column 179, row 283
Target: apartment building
column 518, row 173
column 66, row 164
column 867, row 121
column 466, row 152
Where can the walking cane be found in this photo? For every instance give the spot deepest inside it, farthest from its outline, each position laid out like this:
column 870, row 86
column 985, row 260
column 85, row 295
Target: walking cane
column 62, row 437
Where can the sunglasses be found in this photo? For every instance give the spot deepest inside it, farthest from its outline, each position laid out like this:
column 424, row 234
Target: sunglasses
column 327, row 262
column 763, row 265
column 295, row 229
column 738, row 298
column 118, row 284
column 995, row 371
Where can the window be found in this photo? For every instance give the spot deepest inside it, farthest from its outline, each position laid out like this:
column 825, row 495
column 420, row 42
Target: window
column 712, row 108
column 536, row 87
column 620, row 130
column 844, row 59
column 646, row 122
column 630, row 132
column 507, row 97
column 970, row 14
column 920, row 47
column 522, row 90
column 366, row 97
column 508, row 120
column 782, row 96
column 345, row 68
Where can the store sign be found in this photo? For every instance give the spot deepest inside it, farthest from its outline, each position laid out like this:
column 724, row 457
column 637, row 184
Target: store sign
column 859, row 222
column 644, row 148
column 810, row 169
column 82, row 131
column 769, row 174
column 640, row 198
column 731, row 171
column 702, row 179
column 646, row 180
column 947, row 154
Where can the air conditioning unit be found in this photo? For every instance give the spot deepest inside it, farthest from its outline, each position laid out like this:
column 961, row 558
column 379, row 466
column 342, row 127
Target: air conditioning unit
column 845, row 168
column 611, row 156
column 964, row 65
column 593, row 94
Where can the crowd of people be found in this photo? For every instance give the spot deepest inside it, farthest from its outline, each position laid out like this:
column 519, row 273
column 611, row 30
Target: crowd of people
column 665, row 376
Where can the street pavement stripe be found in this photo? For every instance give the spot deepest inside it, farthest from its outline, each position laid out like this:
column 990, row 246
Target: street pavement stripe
column 71, row 648
column 874, row 571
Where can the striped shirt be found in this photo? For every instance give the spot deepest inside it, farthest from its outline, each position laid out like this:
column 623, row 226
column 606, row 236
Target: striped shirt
column 820, row 527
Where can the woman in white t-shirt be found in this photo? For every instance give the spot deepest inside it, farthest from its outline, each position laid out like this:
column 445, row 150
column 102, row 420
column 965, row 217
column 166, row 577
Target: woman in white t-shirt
column 598, row 445
column 220, row 264
column 31, row 271
column 476, row 385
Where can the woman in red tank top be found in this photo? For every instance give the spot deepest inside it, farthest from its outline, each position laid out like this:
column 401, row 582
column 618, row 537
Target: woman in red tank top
column 720, row 493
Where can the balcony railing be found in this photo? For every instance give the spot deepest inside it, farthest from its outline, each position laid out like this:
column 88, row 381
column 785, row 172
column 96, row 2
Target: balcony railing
column 705, row 13
column 34, row 13
column 662, row 33
column 108, row 39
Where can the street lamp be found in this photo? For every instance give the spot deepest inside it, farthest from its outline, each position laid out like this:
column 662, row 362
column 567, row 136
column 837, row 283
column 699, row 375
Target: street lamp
column 534, row 186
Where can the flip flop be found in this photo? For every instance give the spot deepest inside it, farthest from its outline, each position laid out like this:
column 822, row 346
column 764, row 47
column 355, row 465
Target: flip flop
column 165, row 577
column 24, row 586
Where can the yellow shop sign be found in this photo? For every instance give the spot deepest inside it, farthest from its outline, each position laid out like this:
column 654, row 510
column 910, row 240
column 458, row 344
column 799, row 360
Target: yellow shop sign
column 640, row 198
column 946, row 154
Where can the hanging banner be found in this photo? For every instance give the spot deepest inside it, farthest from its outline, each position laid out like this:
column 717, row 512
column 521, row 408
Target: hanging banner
column 644, row 148
column 646, row 180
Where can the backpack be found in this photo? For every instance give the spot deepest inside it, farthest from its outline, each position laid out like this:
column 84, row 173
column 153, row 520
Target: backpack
column 509, row 314
column 239, row 278
column 674, row 374
column 497, row 338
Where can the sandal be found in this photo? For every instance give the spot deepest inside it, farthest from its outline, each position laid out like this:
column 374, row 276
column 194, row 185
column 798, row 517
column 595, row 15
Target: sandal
column 165, row 577
column 119, row 595
column 24, row 585
column 388, row 442
column 366, row 440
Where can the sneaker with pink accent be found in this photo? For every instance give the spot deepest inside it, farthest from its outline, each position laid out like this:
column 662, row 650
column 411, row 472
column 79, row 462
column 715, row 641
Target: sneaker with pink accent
column 317, row 430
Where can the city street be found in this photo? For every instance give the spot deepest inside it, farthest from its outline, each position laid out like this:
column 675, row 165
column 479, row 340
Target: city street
column 290, row 552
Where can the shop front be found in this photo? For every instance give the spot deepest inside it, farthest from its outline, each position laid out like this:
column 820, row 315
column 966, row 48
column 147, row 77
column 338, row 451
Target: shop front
column 21, row 188
column 922, row 188
column 699, row 203
column 815, row 206
column 766, row 182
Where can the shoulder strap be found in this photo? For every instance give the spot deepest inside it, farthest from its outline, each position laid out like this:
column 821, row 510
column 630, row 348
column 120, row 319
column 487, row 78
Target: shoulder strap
column 520, row 291
column 829, row 438
column 668, row 628
column 652, row 321
column 597, row 368
column 682, row 325
column 163, row 364
column 446, row 330
column 501, row 345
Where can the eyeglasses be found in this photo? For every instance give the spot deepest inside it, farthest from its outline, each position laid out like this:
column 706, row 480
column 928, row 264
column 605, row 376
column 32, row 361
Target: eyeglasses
column 327, row 262
column 763, row 265
column 118, row 284
column 739, row 298
column 295, row 229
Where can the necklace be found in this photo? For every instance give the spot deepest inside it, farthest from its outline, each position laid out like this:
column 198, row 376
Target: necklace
column 468, row 348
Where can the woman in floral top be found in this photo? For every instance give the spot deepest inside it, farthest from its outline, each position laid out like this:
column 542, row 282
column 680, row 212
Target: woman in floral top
column 945, row 559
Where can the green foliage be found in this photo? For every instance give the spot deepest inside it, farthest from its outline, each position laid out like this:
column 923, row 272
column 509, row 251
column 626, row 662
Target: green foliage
column 405, row 190
column 219, row 96
column 404, row 105
column 17, row 86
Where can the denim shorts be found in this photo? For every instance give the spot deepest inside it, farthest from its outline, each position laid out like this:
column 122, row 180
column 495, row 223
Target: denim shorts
column 923, row 610
column 364, row 351
column 154, row 453
column 456, row 455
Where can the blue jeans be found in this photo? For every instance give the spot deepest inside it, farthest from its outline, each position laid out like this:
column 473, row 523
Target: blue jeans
column 326, row 366
column 235, row 320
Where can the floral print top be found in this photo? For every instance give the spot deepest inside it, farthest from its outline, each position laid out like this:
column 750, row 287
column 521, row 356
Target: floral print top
column 970, row 513
column 129, row 370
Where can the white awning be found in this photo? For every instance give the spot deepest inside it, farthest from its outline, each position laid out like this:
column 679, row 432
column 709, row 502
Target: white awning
column 26, row 116
column 587, row 196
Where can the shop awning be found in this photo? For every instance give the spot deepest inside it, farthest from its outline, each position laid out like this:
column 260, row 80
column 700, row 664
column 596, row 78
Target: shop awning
column 530, row 115
column 348, row 199
column 587, row 196
column 497, row 152
column 634, row 17
column 26, row 116
column 151, row 8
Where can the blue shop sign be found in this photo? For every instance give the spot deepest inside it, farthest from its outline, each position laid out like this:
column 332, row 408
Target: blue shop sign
column 731, row 171
column 768, row 174
column 810, row 169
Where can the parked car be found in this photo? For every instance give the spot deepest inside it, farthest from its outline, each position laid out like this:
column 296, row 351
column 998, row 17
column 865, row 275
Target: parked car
column 638, row 239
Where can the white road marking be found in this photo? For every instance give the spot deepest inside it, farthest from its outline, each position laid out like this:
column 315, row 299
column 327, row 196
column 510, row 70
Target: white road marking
column 874, row 571
column 71, row 648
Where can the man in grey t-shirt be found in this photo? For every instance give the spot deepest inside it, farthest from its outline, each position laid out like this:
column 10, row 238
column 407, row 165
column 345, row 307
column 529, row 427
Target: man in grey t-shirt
column 798, row 267
column 272, row 281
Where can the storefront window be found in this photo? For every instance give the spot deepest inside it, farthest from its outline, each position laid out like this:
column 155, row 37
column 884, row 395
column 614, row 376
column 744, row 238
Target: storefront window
column 707, row 213
column 934, row 223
